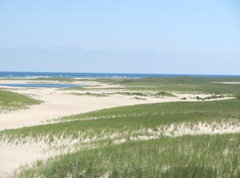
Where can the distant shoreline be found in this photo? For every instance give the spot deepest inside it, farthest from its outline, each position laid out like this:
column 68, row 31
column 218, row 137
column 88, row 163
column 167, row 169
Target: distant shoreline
column 32, row 75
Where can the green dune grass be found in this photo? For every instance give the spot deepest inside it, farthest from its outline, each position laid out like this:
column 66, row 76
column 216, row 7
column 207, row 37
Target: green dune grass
column 187, row 156
column 13, row 101
column 183, row 84
column 128, row 120
column 184, row 156
column 132, row 141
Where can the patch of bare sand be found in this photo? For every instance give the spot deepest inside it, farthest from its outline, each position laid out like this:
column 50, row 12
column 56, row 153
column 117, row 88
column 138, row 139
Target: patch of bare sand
column 228, row 83
column 59, row 103
column 12, row 156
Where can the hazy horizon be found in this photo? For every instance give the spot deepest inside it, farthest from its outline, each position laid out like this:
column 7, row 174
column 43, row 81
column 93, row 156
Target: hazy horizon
column 114, row 73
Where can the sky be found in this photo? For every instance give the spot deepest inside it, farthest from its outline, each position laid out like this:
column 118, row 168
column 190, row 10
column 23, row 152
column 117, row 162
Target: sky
column 127, row 36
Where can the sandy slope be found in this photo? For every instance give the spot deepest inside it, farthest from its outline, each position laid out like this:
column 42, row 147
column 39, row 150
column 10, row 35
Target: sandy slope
column 59, row 103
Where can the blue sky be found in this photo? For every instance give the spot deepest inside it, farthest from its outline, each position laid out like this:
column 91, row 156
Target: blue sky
column 129, row 36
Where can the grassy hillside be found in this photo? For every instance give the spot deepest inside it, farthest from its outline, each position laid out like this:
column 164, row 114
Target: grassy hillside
column 12, row 101
column 135, row 120
column 188, row 156
column 140, row 141
column 184, row 84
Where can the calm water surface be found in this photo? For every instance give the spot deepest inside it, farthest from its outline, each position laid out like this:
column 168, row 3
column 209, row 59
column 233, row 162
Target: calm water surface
column 41, row 85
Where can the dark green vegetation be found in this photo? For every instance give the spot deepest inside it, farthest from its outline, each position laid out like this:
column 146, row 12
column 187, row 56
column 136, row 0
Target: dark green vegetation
column 141, row 94
column 183, row 84
column 12, row 101
column 163, row 93
column 90, row 94
column 237, row 95
column 187, row 156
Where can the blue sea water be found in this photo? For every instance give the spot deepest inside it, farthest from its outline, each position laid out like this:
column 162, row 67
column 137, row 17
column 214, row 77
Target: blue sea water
column 98, row 75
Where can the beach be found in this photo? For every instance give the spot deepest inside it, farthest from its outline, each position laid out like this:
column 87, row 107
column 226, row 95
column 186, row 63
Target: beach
column 60, row 102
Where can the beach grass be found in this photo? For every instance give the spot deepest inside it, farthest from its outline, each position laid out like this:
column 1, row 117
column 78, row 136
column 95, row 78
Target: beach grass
column 140, row 141
column 236, row 95
column 177, row 139
column 183, row 84
column 133, row 121
column 13, row 101
column 90, row 94
column 170, row 85
column 188, row 156
column 134, row 118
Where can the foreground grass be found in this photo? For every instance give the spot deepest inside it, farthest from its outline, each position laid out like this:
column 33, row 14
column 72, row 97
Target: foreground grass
column 12, row 101
column 187, row 156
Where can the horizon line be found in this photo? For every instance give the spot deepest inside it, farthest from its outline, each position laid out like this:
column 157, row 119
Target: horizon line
column 131, row 73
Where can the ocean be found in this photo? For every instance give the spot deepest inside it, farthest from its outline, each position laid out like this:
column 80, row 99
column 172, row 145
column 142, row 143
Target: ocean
column 28, row 75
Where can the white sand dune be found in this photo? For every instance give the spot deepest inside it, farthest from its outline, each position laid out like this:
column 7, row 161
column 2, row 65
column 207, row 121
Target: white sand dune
column 59, row 103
